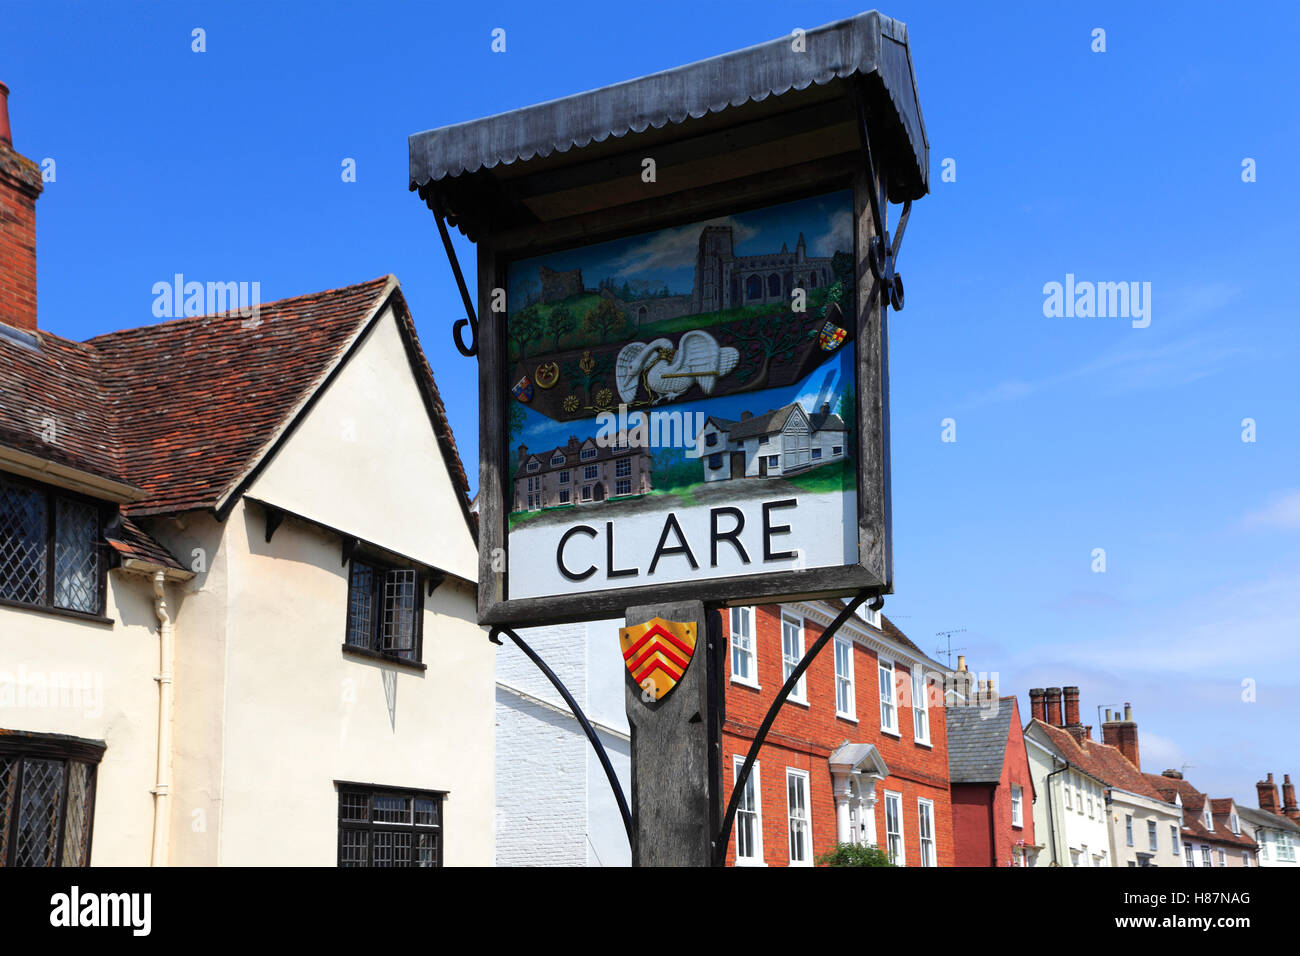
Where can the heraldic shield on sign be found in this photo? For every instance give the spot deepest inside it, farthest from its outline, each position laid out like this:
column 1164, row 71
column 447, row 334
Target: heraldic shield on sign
column 657, row 653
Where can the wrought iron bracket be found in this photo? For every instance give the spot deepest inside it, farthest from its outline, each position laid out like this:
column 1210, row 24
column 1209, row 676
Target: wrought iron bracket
column 742, row 778
column 435, row 577
column 881, row 254
column 471, row 319
column 273, row 518
column 592, row 736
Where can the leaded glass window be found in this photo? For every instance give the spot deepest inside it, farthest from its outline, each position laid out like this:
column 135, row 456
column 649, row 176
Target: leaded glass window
column 47, row 787
column 384, row 610
column 50, row 548
column 389, row 827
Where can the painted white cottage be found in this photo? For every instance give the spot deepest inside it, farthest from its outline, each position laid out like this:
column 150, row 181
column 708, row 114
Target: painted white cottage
column 237, row 598
column 783, row 441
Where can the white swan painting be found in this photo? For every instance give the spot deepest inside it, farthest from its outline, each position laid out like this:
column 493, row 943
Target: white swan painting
column 669, row 372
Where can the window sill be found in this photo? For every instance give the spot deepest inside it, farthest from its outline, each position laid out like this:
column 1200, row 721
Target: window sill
column 851, row 718
column 365, row 654
column 924, row 743
column 744, row 683
column 802, row 702
column 891, row 733
column 750, row 862
column 57, row 612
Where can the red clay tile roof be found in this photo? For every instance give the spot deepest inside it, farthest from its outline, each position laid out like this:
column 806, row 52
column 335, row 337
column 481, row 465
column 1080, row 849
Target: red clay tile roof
column 1193, row 803
column 184, row 409
column 131, row 541
column 1099, row 760
column 56, row 392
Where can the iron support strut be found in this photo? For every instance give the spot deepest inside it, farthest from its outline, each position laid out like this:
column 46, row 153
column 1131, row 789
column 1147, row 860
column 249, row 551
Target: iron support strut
column 590, row 731
column 720, row 844
column 471, row 317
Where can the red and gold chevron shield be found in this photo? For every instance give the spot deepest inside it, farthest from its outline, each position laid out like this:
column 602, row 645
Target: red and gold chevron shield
column 657, row 652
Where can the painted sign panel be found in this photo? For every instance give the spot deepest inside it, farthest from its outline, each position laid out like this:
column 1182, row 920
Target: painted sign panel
column 682, row 404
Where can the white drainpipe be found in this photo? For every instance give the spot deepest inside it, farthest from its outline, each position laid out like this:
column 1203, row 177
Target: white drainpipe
column 162, row 788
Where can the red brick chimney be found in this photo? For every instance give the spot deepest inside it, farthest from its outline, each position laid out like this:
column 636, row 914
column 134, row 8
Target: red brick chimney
column 20, row 184
column 1038, row 703
column 1054, row 706
column 1288, row 798
column 1267, row 791
column 1123, row 735
column 1071, row 707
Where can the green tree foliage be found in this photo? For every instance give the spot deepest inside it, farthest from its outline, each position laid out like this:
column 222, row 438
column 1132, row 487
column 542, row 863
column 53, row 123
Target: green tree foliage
column 604, row 319
column 854, row 854
column 524, row 327
column 559, row 323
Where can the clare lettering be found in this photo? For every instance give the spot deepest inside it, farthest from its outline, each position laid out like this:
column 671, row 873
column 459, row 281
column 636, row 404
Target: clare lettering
column 770, row 529
column 681, row 548
column 559, row 553
column 610, row 570
column 732, row 537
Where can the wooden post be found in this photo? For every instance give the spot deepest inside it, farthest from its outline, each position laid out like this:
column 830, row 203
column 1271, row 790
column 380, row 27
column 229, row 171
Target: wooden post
column 677, row 800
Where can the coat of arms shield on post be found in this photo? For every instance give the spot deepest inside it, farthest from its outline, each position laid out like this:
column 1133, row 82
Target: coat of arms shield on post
column 657, row 653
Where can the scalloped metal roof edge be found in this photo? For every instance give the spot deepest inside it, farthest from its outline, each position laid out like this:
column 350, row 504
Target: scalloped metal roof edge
column 866, row 44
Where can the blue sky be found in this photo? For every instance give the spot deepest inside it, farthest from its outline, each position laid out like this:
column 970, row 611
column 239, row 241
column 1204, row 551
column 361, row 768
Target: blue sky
column 1072, row 434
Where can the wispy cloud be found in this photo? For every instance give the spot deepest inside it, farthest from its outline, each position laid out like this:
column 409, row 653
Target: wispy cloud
column 1282, row 512
column 672, row 248
column 838, row 235
column 1129, row 369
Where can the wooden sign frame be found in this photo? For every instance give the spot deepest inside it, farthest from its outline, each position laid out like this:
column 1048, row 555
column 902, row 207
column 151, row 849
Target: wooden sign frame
column 825, row 109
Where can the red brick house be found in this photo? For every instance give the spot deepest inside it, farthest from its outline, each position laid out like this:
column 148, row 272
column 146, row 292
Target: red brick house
column 850, row 757
column 992, row 789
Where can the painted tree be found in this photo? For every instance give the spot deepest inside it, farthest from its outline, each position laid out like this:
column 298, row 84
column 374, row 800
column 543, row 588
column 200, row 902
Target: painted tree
column 605, row 318
column 765, row 341
column 524, row 327
column 559, row 323
column 589, row 371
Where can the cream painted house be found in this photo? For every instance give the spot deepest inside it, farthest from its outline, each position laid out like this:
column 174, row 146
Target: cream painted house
column 237, row 600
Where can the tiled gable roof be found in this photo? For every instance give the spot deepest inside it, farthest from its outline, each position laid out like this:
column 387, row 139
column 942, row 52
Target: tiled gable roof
column 1193, row 805
column 977, row 741
column 184, row 409
column 1102, row 761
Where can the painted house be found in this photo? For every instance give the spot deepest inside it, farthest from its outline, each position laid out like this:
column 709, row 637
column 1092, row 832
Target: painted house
column 1070, row 816
column 1212, row 832
column 859, row 752
column 782, row 441
column 992, row 787
column 1275, row 827
column 237, row 606
column 580, row 472
column 1143, row 825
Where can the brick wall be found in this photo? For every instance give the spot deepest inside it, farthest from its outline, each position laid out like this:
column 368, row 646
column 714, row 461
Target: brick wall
column 804, row 736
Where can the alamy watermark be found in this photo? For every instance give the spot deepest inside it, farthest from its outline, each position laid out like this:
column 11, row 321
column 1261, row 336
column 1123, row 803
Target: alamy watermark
column 1085, row 300
column 52, row 690
column 652, row 429
column 180, row 299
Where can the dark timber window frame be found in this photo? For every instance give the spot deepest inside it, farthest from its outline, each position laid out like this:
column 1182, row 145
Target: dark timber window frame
column 103, row 515
column 384, row 573
column 350, row 823
column 18, row 749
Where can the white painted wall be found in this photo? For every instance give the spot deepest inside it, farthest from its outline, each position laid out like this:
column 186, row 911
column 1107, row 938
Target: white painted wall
column 108, row 671
column 554, row 803
column 370, row 431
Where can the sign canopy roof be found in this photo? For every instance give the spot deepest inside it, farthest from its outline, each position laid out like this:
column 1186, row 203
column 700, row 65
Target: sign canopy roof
column 468, row 164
